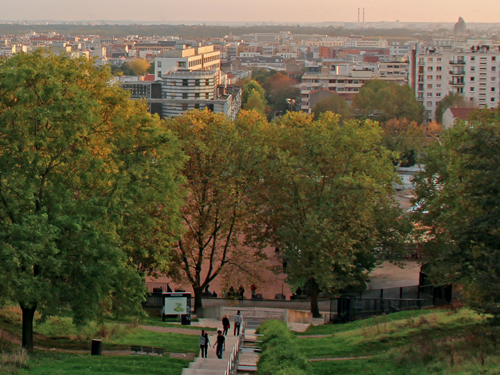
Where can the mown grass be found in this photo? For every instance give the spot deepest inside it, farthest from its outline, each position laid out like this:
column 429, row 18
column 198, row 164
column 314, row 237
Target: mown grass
column 437, row 341
column 60, row 333
column 62, row 363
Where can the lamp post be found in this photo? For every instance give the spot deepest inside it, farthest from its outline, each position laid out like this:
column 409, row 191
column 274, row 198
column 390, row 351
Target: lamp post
column 291, row 103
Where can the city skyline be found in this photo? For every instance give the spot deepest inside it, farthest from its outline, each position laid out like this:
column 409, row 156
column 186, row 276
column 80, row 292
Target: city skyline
column 279, row 11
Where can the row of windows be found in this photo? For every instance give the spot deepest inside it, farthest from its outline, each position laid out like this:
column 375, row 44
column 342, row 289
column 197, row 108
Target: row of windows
column 185, row 95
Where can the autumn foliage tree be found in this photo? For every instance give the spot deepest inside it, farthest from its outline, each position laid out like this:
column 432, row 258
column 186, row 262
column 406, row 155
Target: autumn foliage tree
column 222, row 170
column 82, row 167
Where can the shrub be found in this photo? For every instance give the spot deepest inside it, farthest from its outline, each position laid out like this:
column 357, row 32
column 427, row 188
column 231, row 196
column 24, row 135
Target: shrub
column 279, row 351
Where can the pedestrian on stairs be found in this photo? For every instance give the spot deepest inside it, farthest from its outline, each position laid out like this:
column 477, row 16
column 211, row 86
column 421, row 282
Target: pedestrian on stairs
column 220, row 344
column 204, row 343
column 238, row 319
column 225, row 324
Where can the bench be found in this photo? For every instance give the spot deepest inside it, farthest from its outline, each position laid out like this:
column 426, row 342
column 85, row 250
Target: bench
column 146, row 350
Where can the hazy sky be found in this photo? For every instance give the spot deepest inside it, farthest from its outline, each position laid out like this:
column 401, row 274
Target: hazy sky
column 252, row 10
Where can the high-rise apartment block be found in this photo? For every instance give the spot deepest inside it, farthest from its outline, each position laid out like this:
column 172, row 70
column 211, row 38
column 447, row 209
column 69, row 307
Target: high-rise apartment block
column 473, row 72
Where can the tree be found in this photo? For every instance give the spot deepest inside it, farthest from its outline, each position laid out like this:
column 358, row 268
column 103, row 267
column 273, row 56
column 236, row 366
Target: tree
column 139, row 66
column 450, row 100
column 330, row 199
column 221, row 171
column 382, row 101
column 458, row 203
column 247, row 90
column 279, row 87
column 255, row 102
column 76, row 160
column 405, row 139
column 334, row 103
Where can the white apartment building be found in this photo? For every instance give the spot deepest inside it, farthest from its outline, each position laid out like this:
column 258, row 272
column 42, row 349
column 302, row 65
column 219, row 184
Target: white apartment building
column 347, row 79
column 200, row 58
column 366, row 43
column 474, row 73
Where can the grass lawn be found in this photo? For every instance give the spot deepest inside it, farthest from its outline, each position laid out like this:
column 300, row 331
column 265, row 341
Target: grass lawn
column 422, row 342
column 59, row 363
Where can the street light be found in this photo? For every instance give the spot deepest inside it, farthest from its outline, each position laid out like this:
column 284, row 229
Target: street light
column 291, row 103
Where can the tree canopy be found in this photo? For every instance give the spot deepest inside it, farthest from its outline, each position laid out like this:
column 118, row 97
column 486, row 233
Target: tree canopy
column 458, row 205
column 329, row 189
column 83, row 169
column 333, row 103
column 247, row 90
column 382, row 101
column 222, row 170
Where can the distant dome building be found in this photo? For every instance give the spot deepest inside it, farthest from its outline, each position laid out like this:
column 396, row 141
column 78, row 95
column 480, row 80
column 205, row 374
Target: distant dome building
column 460, row 29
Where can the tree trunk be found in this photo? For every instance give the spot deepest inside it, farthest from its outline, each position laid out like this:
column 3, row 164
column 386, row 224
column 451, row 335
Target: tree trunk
column 28, row 316
column 198, row 300
column 314, row 298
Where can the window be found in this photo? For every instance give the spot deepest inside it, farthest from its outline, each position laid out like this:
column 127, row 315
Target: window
column 493, row 79
column 207, row 96
column 197, row 106
column 197, row 95
column 493, row 89
column 472, row 58
column 429, row 85
column 472, row 68
column 159, row 74
column 429, row 94
column 429, row 104
column 439, row 59
column 439, row 68
column 184, row 82
column 473, row 79
column 159, row 64
column 184, row 95
column 196, row 82
column 493, row 68
column 471, row 89
column 438, row 95
column 207, row 82
column 181, row 64
column 492, row 99
column 429, row 77
column 430, row 68
column 184, row 106
column 438, row 86
column 429, row 59
column 493, row 58
column 439, row 78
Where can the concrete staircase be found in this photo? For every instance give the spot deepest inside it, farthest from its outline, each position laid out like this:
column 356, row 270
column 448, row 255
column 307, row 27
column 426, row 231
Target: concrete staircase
column 213, row 365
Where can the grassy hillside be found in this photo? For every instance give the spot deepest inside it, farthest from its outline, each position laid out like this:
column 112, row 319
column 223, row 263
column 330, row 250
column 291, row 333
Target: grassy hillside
column 421, row 342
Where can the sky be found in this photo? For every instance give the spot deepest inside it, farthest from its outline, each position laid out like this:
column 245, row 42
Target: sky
column 165, row 11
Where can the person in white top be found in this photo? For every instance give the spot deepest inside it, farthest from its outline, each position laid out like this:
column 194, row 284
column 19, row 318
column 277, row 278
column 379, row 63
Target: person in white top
column 204, row 343
column 238, row 319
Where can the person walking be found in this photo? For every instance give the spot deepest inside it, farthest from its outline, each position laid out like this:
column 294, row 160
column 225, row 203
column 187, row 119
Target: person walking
column 225, row 324
column 220, row 344
column 204, row 343
column 241, row 293
column 238, row 319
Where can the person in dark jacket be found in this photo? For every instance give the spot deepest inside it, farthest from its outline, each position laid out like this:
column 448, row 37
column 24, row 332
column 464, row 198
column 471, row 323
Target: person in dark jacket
column 225, row 325
column 220, row 344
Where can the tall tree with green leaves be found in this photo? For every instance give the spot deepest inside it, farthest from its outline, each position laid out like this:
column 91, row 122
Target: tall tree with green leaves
column 82, row 167
column 382, row 101
column 255, row 102
column 457, row 201
column 247, row 90
column 329, row 193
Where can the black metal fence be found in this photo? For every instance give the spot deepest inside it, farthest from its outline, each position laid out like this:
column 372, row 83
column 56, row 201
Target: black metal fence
column 373, row 302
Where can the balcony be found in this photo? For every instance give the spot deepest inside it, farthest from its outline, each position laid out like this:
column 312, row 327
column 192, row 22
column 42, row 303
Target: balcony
column 457, row 62
column 456, row 83
column 457, row 73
